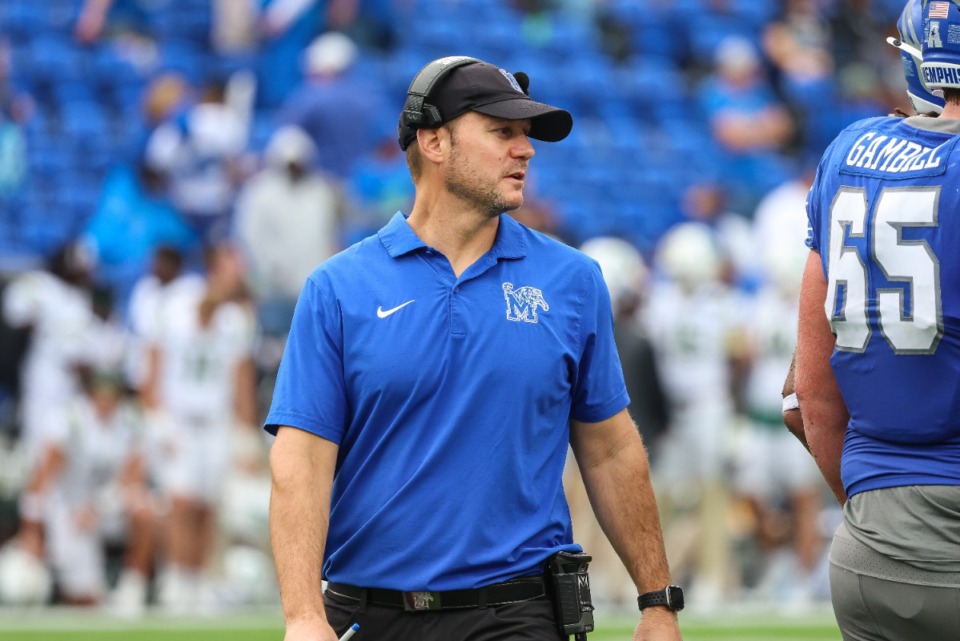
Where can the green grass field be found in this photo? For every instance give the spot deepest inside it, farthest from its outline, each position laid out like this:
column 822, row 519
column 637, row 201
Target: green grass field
column 57, row 625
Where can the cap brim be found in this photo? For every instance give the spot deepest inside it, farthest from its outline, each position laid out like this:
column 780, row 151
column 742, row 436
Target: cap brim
column 550, row 124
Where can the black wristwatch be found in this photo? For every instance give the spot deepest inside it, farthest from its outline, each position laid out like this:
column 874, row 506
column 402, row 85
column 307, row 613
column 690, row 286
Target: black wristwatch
column 670, row 596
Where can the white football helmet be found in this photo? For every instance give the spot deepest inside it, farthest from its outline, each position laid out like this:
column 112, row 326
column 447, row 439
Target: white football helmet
column 24, row 579
column 250, row 575
column 623, row 268
column 784, row 268
column 688, row 254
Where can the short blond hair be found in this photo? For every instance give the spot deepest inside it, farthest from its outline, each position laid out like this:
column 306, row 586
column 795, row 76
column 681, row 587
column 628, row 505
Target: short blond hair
column 414, row 161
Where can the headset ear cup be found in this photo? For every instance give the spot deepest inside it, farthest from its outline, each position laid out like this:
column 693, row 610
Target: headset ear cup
column 523, row 80
column 416, row 112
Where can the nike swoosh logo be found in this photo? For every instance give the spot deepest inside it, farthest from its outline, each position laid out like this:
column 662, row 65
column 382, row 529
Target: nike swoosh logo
column 382, row 313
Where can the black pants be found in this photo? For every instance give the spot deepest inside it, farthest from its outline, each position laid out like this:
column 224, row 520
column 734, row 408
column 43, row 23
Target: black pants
column 525, row 621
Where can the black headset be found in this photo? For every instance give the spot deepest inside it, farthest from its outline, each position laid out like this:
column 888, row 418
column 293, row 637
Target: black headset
column 416, row 111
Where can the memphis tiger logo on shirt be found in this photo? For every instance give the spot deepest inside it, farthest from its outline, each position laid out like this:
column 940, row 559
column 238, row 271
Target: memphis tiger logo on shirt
column 523, row 303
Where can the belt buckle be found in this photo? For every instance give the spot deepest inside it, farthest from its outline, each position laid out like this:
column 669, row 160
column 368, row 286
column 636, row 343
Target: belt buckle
column 421, row 601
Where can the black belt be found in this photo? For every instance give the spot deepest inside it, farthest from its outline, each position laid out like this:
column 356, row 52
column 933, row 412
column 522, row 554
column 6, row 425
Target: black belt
column 513, row 591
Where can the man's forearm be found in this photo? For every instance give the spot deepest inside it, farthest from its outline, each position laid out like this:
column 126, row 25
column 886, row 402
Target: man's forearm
column 622, row 497
column 302, row 468
column 825, row 429
column 792, row 418
column 821, row 402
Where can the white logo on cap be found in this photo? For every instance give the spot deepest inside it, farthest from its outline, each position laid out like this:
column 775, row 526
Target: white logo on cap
column 513, row 81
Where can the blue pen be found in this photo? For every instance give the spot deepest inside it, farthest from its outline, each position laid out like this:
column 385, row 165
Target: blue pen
column 349, row 633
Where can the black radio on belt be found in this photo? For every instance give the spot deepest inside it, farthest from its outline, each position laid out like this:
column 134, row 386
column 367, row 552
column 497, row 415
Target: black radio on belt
column 571, row 593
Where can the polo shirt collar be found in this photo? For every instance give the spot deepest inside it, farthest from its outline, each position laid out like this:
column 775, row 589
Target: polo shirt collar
column 510, row 242
column 399, row 239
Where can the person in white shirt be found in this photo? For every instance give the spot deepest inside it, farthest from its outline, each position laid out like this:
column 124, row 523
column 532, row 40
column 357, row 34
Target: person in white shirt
column 56, row 305
column 200, row 387
column 92, row 490
column 150, row 293
column 694, row 324
column 288, row 221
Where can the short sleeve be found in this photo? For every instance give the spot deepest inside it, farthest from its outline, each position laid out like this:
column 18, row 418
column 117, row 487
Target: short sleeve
column 310, row 393
column 20, row 304
column 814, row 213
column 599, row 391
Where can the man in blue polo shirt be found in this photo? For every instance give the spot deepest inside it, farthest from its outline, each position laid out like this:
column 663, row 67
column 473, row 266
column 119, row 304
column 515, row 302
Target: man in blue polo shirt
column 433, row 378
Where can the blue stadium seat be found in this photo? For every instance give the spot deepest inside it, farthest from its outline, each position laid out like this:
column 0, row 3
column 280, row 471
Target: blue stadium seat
column 111, row 70
column 183, row 57
column 55, row 58
column 83, row 119
column 706, row 31
column 21, row 19
column 47, row 160
column 651, row 27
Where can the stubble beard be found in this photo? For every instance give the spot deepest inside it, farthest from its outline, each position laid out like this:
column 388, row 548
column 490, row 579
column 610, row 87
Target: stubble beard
column 463, row 181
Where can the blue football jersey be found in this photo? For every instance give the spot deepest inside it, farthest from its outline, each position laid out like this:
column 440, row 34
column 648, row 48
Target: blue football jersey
column 884, row 216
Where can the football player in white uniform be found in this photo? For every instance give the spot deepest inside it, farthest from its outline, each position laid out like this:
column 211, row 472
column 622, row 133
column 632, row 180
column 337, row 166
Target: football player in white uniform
column 55, row 304
column 199, row 389
column 91, row 486
column 693, row 319
column 773, row 468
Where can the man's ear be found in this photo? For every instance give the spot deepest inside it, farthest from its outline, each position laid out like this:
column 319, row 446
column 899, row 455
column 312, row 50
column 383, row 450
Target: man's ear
column 431, row 142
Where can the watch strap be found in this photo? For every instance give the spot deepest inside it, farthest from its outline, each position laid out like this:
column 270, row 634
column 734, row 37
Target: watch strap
column 662, row 597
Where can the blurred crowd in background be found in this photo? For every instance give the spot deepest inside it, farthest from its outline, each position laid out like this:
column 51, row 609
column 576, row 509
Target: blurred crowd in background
column 172, row 170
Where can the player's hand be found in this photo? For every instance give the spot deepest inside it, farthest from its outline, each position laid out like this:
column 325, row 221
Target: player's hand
column 309, row 630
column 85, row 518
column 658, row 624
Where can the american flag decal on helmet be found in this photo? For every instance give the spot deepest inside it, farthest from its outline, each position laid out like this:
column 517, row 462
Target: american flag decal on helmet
column 939, row 9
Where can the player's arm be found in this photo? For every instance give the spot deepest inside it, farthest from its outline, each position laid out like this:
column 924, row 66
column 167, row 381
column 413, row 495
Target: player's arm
column 32, row 502
column 92, row 20
column 150, row 388
column 616, row 474
column 825, row 414
column 245, row 382
column 792, row 417
column 302, row 466
column 247, row 443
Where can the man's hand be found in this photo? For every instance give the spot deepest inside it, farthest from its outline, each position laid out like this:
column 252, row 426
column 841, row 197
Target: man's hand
column 658, row 624
column 309, row 630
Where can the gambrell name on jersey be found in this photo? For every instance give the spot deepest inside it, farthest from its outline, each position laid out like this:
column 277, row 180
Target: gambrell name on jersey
column 880, row 152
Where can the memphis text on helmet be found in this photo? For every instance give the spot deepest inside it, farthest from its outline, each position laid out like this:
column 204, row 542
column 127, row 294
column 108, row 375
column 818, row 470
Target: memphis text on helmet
column 891, row 154
column 941, row 76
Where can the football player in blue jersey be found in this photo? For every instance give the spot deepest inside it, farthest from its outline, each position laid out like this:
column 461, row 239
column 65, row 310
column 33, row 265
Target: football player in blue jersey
column 926, row 102
column 878, row 355
column 432, row 380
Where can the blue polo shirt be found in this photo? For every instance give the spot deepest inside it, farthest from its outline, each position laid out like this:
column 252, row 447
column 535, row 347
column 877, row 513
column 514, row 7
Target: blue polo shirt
column 450, row 399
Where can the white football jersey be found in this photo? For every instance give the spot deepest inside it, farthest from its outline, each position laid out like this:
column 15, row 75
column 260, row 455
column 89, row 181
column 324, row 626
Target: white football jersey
column 692, row 334
column 147, row 300
column 62, row 318
column 198, row 364
column 96, row 449
column 773, row 335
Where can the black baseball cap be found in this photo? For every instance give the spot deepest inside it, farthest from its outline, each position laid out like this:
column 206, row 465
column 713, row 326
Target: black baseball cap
column 487, row 89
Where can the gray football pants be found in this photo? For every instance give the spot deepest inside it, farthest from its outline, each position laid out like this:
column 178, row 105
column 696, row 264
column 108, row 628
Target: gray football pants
column 905, row 605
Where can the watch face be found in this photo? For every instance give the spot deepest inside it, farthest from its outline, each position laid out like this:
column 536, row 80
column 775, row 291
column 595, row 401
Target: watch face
column 674, row 597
